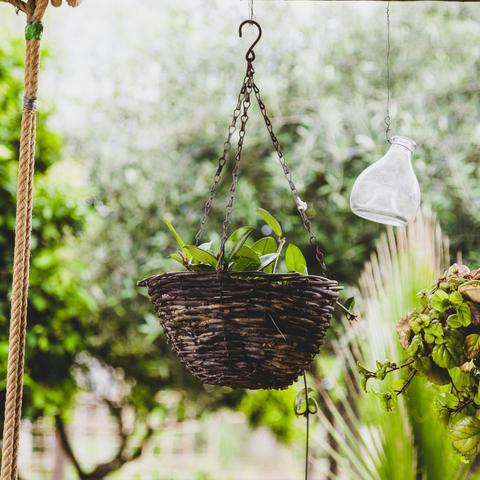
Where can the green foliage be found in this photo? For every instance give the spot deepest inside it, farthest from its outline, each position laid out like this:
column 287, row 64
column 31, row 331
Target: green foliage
column 175, row 234
column 271, row 221
column 58, row 301
column 465, row 436
column 272, row 409
column 301, row 406
column 238, row 256
column 330, row 128
column 295, row 260
column 440, row 338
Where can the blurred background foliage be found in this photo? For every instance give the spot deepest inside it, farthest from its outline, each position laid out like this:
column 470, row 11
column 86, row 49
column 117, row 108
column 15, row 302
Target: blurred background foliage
column 60, row 307
column 145, row 141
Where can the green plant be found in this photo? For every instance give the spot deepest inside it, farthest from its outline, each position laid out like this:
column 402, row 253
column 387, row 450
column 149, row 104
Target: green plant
column 263, row 255
column 442, row 342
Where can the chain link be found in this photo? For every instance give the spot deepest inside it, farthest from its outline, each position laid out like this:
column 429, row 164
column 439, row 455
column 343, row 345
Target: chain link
column 249, row 85
column 244, row 102
column 222, row 161
column 288, row 175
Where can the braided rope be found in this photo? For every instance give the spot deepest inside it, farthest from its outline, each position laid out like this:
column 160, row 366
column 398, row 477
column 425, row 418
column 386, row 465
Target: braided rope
column 25, row 6
column 23, row 226
column 26, row 268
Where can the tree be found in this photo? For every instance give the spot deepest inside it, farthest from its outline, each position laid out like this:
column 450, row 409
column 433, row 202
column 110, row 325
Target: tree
column 57, row 301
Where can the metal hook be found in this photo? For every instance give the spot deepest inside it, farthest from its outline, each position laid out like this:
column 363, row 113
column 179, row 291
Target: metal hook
column 250, row 56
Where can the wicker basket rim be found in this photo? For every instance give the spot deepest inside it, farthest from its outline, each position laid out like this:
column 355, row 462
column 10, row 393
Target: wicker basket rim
column 253, row 274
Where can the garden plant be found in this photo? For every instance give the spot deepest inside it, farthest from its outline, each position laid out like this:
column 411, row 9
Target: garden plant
column 442, row 343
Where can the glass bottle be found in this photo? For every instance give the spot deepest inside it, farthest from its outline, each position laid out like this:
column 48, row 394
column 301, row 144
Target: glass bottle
column 388, row 191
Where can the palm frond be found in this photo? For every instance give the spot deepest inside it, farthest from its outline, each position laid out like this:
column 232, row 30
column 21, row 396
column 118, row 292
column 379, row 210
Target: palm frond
column 409, row 443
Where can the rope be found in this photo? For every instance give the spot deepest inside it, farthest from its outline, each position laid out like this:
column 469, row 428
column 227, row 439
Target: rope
column 21, row 263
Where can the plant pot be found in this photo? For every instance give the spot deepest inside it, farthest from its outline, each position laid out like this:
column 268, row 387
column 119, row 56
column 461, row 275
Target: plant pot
column 244, row 329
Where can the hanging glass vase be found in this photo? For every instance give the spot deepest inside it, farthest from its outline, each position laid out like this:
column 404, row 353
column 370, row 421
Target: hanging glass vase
column 388, row 191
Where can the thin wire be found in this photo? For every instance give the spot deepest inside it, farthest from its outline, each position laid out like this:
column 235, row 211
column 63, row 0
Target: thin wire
column 307, row 415
column 387, row 118
column 251, row 10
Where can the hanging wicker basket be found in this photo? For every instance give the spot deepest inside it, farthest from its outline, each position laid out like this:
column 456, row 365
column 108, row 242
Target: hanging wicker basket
column 245, row 329
column 242, row 330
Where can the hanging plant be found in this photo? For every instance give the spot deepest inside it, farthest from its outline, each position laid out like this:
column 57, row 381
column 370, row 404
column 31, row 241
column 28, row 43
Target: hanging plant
column 442, row 344
column 235, row 321
column 262, row 256
column 230, row 318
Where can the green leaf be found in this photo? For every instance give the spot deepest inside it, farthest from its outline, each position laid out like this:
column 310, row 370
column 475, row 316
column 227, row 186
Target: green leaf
column 271, row 221
column 415, row 326
column 268, row 259
column 235, row 242
column 443, row 414
column 201, row 255
column 201, row 267
column 362, row 370
column 426, row 362
column 299, row 402
column 264, row 246
column 435, row 329
column 446, row 356
column 243, row 265
column 465, row 436
column 175, row 257
column 438, row 376
column 381, row 373
column 175, row 234
column 247, row 252
column 245, row 260
column 420, row 366
column 464, row 314
column 472, row 346
column 295, row 260
column 206, row 246
column 349, row 303
column 455, row 299
column 364, row 383
column 398, row 384
column 454, row 337
column 440, row 301
column 416, row 346
column 386, row 401
column 450, row 400
column 454, row 321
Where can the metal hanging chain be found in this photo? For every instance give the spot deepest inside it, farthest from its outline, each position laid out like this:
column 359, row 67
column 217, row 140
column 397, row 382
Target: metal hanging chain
column 244, row 100
column 288, row 175
column 249, row 85
column 223, row 160
column 387, row 118
column 250, row 57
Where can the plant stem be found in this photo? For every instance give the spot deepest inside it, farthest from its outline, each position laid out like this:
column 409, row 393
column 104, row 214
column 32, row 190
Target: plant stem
column 401, row 366
column 407, row 383
column 351, row 315
column 461, row 407
column 279, row 249
column 455, row 388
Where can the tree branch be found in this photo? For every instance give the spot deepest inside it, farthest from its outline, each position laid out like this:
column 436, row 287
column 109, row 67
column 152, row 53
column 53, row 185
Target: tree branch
column 66, row 444
column 106, row 468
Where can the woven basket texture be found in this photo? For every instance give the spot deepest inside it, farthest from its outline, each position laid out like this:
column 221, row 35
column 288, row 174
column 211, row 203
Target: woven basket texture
column 242, row 331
